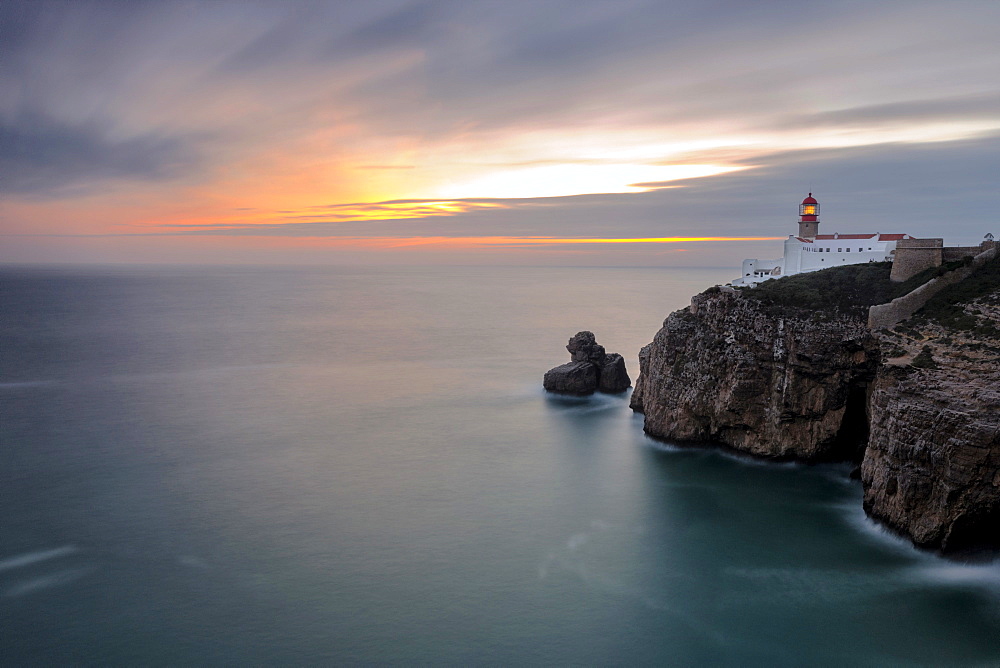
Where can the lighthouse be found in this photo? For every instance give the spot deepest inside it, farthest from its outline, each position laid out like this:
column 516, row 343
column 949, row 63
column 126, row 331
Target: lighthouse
column 812, row 251
column 809, row 218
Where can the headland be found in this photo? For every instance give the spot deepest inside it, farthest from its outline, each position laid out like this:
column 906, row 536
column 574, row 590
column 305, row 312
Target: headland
column 794, row 369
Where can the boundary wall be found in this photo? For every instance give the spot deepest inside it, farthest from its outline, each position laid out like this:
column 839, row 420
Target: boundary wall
column 883, row 316
column 951, row 253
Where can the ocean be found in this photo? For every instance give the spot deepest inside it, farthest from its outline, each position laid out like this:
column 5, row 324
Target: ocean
column 359, row 466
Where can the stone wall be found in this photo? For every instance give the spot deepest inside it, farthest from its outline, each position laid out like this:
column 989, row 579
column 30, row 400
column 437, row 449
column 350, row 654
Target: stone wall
column 884, row 316
column 912, row 256
column 952, row 253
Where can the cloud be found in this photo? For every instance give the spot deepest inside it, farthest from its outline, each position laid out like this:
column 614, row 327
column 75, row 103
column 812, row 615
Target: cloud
column 211, row 107
column 914, row 188
column 41, row 156
column 975, row 106
column 407, row 26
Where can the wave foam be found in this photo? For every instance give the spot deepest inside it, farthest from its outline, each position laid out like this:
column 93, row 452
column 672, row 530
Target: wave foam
column 57, row 579
column 29, row 558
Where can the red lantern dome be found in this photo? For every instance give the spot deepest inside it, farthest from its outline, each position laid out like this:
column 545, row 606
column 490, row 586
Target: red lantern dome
column 809, row 210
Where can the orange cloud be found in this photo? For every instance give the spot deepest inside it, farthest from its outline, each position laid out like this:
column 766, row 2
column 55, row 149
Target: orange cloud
column 397, row 209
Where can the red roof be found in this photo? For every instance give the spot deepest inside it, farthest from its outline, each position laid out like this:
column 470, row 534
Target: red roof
column 810, row 200
column 838, row 237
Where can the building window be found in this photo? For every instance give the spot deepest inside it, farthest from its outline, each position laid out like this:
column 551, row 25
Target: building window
column 840, row 250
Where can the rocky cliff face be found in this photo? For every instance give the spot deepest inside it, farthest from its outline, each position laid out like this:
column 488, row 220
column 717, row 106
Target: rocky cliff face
column 932, row 466
column 727, row 370
column 785, row 384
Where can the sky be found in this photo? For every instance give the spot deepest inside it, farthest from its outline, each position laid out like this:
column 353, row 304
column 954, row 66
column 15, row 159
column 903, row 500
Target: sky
column 581, row 132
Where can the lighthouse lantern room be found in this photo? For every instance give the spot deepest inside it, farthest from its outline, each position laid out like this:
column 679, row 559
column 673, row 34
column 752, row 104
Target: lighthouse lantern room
column 809, row 218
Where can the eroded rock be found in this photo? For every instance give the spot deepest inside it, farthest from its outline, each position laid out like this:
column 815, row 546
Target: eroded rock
column 591, row 369
column 727, row 370
column 614, row 377
column 572, row 378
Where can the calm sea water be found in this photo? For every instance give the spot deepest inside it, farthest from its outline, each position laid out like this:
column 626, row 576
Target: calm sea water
column 359, row 466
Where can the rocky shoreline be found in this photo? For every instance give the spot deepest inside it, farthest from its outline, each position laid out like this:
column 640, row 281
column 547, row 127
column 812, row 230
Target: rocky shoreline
column 916, row 407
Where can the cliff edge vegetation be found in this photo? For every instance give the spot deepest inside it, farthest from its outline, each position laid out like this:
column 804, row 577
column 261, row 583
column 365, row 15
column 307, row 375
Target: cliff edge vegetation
column 849, row 290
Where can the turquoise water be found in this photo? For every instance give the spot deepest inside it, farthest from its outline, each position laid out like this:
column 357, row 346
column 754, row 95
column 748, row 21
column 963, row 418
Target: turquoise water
column 359, row 466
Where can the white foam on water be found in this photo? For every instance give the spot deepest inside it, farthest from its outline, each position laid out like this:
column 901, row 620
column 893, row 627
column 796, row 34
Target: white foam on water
column 802, row 586
column 29, row 558
column 57, row 579
column 854, row 515
column 543, row 568
column 590, row 403
column 600, row 580
column 192, row 562
column 712, row 450
column 576, row 540
column 946, row 573
column 926, row 568
column 26, row 383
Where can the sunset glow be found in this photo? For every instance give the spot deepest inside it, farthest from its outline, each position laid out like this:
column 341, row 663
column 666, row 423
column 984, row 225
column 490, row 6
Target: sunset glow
column 394, row 209
column 396, row 124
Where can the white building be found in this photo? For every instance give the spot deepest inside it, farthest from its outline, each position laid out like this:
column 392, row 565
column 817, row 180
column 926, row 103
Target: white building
column 812, row 251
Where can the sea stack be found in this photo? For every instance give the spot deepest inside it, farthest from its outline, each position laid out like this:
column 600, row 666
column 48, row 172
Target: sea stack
column 590, row 369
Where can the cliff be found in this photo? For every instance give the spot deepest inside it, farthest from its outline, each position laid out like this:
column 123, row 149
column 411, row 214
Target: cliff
column 793, row 372
column 727, row 370
column 932, row 466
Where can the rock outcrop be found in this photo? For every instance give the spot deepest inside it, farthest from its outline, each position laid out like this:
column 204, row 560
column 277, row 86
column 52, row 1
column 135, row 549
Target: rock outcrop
column 571, row 378
column 728, row 371
column 591, row 369
column 613, row 378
